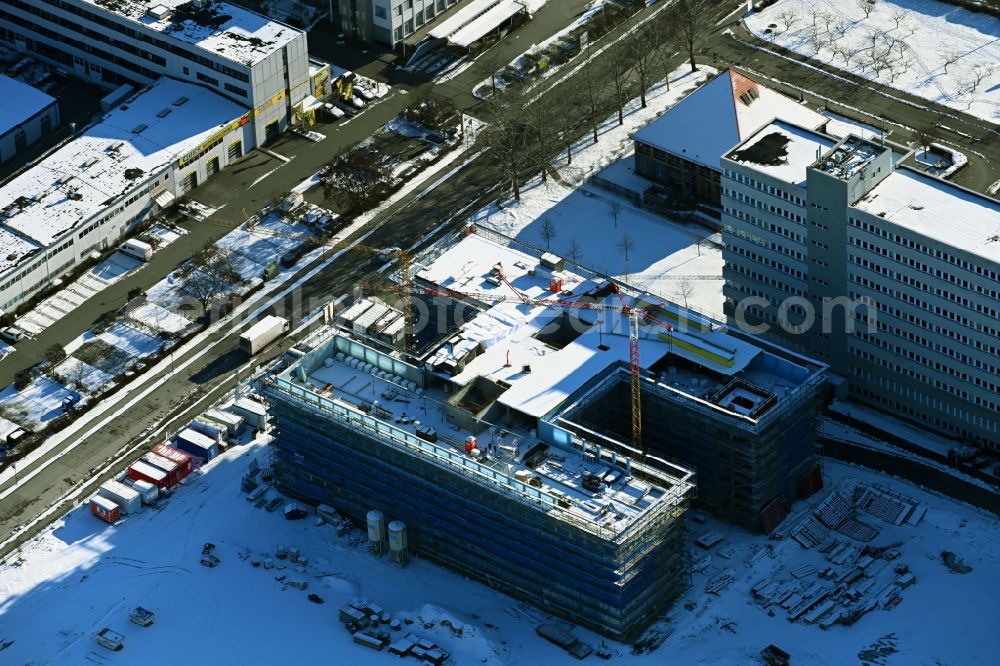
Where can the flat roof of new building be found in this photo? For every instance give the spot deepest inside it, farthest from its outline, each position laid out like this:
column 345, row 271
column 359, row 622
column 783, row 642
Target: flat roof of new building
column 231, row 31
column 78, row 181
column 720, row 114
column 938, row 210
column 514, row 335
column 782, row 150
column 20, row 102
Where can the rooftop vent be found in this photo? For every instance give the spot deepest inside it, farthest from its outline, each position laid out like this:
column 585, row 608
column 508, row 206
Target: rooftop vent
column 74, row 195
column 163, row 114
column 158, row 12
column 115, row 147
column 91, row 162
column 138, row 129
column 180, row 101
column 62, row 180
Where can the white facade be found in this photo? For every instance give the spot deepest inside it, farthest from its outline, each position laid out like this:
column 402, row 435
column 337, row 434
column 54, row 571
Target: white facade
column 389, row 21
column 26, row 115
column 253, row 60
column 103, row 184
column 912, row 259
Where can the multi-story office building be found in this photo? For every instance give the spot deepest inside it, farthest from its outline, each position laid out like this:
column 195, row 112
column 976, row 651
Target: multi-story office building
column 388, row 21
column 888, row 274
column 255, row 61
column 107, row 181
column 26, row 115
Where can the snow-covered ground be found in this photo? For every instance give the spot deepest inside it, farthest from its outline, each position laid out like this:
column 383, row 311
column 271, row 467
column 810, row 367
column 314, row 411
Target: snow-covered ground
column 81, row 575
column 935, row 50
column 680, row 262
column 131, row 340
column 36, row 404
column 73, row 371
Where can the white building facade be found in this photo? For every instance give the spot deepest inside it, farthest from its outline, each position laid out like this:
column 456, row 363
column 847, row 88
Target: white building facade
column 101, row 186
column 258, row 62
column 887, row 274
column 389, row 21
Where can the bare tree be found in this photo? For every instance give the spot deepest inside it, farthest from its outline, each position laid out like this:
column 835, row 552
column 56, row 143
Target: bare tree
column 616, row 211
column 979, row 73
column 950, row 58
column 866, row 6
column 641, row 48
column 685, row 290
column 357, row 179
column 548, row 231
column 506, row 137
column 898, row 16
column 619, row 60
column 590, row 96
column 626, row 244
column 924, row 138
column 665, row 35
column 574, row 251
column 789, row 18
column 541, row 121
column 209, row 275
column 693, row 20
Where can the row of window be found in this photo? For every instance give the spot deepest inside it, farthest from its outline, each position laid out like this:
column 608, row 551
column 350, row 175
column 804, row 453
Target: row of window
column 756, row 203
column 948, row 350
column 929, row 413
column 977, row 268
column 766, row 279
column 741, row 214
column 82, row 46
column 144, row 36
column 763, row 187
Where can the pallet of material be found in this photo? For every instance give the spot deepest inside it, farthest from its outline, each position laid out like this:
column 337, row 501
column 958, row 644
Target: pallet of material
column 721, row 581
column 803, row 571
column 916, row 515
column 858, row 530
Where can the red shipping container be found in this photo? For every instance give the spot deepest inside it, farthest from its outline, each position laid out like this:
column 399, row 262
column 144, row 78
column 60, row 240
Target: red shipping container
column 184, row 461
column 169, row 466
column 141, row 470
column 105, row 509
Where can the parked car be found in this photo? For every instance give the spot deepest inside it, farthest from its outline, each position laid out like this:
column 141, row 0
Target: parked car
column 11, row 334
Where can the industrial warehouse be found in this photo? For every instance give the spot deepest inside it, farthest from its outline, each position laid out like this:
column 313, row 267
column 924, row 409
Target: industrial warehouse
column 509, row 413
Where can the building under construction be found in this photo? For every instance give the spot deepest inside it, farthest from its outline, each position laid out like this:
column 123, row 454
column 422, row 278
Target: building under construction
column 487, row 443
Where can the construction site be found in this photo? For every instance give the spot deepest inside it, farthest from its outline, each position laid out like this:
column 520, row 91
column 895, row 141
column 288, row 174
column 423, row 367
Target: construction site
column 541, row 429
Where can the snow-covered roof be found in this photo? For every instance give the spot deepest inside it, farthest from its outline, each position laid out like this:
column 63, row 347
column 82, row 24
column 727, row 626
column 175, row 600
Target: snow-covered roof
column 556, row 373
column 20, row 102
column 79, row 180
column 783, row 151
column 226, row 29
column 720, row 114
column 938, row 210
column 476, row 19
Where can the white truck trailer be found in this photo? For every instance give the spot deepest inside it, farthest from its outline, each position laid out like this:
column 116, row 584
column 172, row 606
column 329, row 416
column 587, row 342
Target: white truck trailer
column 263, row 333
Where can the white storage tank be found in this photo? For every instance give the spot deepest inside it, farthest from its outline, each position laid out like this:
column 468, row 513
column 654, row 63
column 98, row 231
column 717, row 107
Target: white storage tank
column 397, row 542
column 376, row 532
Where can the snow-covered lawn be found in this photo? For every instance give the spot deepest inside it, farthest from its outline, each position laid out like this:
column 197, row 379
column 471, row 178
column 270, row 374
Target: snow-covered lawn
column 680, row 262
column 935, row 50
column 82, row 575
column 159, row 318
column 72, row 370
column 38, row 403
column 131, row 340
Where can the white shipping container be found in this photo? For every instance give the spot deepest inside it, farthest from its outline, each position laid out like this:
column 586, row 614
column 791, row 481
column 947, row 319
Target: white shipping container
column 148, row 491
column 128, row 499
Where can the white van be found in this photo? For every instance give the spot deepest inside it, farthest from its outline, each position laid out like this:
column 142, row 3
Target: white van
column 136, row 249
